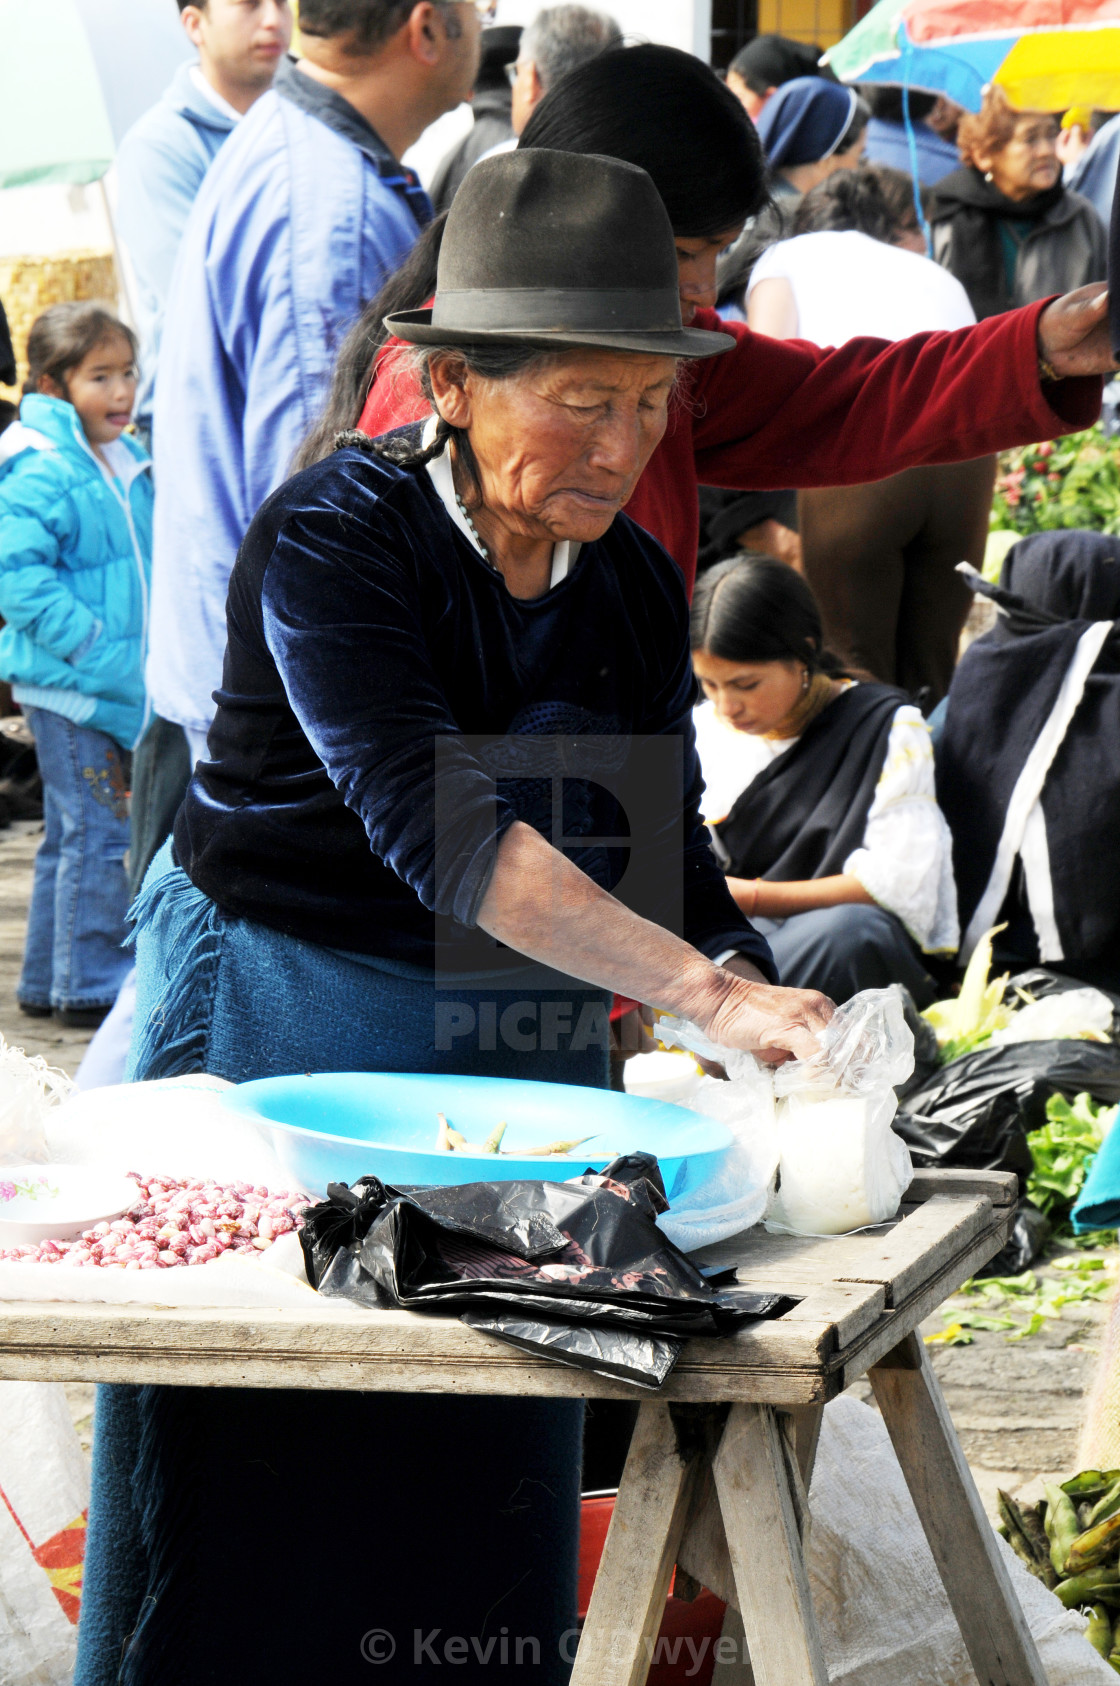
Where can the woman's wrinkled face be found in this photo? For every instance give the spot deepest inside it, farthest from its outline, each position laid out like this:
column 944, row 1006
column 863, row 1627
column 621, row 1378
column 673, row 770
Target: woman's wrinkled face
column 1029, row 162
column 752, row 697
column 560, row 447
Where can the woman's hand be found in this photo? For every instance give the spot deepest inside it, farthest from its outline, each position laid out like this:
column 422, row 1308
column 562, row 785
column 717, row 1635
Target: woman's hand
column 775, row 1024
column 1074, row 335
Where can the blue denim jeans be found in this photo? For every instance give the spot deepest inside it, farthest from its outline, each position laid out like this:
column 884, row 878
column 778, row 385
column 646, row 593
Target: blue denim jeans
column 76, row 925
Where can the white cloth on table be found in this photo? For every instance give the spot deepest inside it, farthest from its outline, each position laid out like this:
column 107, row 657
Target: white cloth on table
column 845, row 285
column 906, row 860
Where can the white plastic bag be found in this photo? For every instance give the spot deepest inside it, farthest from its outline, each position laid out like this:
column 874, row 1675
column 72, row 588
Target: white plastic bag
column 821, row 1128
column 842, row 1166
column 882, row 1611
column 1070, row 1014
column 738, row 1195
column 44, row 1496
column 29, row 1090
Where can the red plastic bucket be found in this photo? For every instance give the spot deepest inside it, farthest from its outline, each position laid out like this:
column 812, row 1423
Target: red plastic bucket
column 684, row 1652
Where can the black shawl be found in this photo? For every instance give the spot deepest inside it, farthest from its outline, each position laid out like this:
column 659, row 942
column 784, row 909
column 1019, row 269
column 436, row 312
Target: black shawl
column 976, row 208
column 805, row 813
column 1054, row 586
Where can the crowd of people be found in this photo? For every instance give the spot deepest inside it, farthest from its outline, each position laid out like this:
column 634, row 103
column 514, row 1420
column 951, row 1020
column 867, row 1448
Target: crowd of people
column 641, row 460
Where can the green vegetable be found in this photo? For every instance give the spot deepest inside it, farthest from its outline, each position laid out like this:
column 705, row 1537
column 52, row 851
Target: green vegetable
column 1089, row 1483
column 1026, row 1537
column 1106, row 1507
column 1099, row 1632
column 494, row 1139
column 1091, row 1548
column 1061, row 1528
column 553, row 1147
column 968, row 1021
column 1088, row 1588
column 975, row 1320
column 951, row 1335
column 1063, row 1150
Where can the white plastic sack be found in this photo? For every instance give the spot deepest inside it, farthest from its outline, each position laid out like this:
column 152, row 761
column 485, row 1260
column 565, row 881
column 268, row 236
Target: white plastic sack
column 44, row 1489
column 177, row 1127
column 882, row 1611
column 738, row 1195
column 1057, row 1016
column 820, row 1128
column 29, row 1090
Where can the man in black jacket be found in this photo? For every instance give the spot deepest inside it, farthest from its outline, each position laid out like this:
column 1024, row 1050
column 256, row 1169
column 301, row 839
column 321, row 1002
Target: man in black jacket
column 491, row 104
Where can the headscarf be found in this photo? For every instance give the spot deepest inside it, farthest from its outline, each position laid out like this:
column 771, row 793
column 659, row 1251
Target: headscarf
column 805, row 121
column 1047, row 675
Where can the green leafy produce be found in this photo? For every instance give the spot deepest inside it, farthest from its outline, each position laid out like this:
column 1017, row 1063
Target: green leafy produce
column 1094, row 1585
column 1099, row 1633
column 1063, row 1150
column 1061, row 1528
column 967, row 1022
column 1090, row 1549
column 1070, row 482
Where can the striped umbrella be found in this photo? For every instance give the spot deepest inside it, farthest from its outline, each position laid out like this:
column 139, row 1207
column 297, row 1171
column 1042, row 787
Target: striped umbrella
column 78, row 73
column 1046, row 55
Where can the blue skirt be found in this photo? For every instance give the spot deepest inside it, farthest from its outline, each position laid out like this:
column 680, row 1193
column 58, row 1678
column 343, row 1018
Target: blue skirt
column 291, row 1533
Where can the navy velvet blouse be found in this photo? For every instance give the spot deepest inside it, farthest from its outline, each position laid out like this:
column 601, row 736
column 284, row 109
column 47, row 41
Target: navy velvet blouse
column 388, row 710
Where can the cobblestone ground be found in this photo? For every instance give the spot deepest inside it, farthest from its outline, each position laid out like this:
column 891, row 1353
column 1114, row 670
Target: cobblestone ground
column 1018, row 1405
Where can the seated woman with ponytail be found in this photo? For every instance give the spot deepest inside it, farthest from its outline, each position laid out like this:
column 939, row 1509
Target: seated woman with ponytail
column 819, row 792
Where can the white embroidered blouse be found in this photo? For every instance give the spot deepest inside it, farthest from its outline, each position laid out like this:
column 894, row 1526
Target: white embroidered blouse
column 906, row 860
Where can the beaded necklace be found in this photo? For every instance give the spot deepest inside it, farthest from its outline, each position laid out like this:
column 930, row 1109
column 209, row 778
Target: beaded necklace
column 473, row 529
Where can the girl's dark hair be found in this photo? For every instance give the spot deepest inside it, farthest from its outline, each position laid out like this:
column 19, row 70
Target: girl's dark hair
column 852, row 199
column 756, row 609
column 652, row 106
column 65, row 334
column 670, row 114
column 409, row 288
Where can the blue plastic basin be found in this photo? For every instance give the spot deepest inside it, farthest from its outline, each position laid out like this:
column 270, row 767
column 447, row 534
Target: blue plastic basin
column 340, row 1126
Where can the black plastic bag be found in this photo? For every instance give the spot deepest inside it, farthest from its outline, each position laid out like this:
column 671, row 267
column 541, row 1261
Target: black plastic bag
column 976, row 1112
column 1029, row 1234
column 526, row 1258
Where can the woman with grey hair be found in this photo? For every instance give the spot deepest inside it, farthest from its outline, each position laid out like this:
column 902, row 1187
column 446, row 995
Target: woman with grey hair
column 453, row 776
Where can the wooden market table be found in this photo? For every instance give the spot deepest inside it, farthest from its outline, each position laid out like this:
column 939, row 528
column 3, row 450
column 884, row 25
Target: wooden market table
column 718, row 1471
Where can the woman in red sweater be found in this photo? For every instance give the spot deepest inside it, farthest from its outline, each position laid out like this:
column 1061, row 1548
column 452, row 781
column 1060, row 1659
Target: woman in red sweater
column 770, row 414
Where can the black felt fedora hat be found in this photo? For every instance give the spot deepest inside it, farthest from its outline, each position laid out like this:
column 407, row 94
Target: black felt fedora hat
column 558, row 249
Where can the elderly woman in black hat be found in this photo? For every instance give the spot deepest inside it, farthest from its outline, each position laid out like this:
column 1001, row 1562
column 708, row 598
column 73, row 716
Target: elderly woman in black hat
column 451, row 805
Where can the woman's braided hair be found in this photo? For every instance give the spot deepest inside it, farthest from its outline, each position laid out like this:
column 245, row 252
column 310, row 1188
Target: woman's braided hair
column 488, row 362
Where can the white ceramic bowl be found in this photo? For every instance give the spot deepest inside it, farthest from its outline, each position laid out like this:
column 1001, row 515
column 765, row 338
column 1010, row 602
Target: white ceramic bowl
column 58, row 1202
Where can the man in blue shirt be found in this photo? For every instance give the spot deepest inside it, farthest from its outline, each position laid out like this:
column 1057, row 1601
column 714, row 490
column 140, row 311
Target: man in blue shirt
column 165, row 155
column 301, row 219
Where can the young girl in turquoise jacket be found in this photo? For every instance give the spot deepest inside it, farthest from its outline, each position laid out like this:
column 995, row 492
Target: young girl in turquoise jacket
column 75, row 564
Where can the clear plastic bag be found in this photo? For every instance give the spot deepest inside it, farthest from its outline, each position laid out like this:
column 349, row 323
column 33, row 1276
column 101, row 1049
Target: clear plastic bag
column 819, row 1129
column 842, row 1167
column 29, row 1089
column 739, row 1194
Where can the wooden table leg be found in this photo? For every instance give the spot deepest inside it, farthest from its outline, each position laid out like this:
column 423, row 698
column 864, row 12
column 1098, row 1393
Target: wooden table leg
column 806, row 1423
column 760, row 1520
column 628, row 1602
column 737, row 1670
column 960, row 1536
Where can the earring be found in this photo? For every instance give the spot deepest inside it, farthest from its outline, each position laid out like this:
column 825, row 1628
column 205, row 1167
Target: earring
column 988, row 175
column 805, row 680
